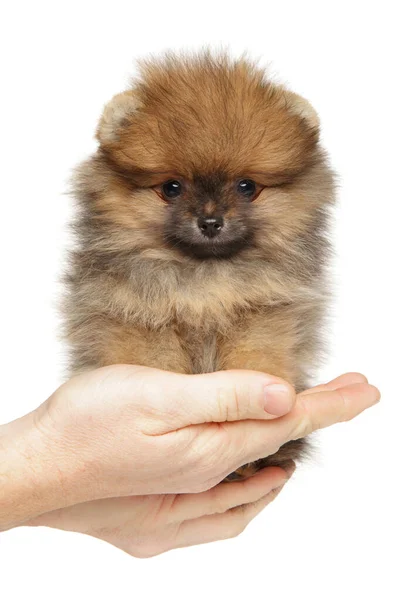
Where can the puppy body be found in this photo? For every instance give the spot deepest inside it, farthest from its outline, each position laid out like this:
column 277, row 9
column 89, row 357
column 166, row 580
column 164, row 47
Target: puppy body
column 149, row 282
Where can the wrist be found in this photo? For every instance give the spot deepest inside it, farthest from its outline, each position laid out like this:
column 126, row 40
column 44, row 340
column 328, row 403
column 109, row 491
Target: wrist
column 35, row 475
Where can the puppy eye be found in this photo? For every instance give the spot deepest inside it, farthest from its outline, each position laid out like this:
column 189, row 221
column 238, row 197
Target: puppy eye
column 171, row 189
column 247, row 188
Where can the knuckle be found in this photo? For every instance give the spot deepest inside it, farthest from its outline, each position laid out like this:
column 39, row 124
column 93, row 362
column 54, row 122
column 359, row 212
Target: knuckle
column 207, row 450
column 143, row 551
column 199, row 452
column 342, row 406
column 305, row 423
column 233, row 532
column 228, row 403
column 239, row 528
column 140, row 553
column 217, row 504
column 241, row 519
column 198, row 487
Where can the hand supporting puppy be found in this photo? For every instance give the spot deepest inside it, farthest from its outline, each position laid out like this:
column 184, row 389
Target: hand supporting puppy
column 145, row 526
column 123, row 430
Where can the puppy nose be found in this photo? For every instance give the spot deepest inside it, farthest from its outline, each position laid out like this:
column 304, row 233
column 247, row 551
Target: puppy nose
column 210, row 226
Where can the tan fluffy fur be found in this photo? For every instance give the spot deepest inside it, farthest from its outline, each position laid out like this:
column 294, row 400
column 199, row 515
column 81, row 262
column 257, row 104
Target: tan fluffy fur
column 133, row 297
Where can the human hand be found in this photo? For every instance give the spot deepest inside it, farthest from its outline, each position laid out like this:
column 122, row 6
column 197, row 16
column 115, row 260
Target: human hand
column 125, row 430
column 99, row 435
column 144, row 526
column 137, row 430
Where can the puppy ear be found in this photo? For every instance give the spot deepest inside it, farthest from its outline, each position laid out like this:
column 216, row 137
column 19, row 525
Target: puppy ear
column 302, row 107
column 115, row 115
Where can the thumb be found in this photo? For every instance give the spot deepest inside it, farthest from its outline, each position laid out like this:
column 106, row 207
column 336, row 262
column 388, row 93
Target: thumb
column 183, row 400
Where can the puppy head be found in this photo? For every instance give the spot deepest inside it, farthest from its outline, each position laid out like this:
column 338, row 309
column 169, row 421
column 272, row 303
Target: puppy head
column 208, row 159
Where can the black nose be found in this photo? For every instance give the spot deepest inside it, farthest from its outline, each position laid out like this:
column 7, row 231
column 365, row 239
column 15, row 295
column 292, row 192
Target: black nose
column 210, row 226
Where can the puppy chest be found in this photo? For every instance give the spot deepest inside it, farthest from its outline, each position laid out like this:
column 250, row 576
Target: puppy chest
column 201, row 350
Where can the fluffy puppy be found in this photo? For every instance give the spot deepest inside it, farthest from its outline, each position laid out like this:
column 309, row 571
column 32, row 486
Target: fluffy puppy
column 201, row 228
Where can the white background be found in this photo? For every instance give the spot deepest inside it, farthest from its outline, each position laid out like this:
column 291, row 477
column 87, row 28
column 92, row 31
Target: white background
column 334, row 530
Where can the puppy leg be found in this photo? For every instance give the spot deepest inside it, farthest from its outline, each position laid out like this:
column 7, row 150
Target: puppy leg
column 100, row 342
column 266, row 343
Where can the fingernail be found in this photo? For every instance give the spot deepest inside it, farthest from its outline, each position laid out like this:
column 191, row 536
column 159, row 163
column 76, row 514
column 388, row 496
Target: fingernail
column 277, row 399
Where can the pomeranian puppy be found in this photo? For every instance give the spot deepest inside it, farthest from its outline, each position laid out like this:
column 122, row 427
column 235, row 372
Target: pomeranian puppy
column 202, row 228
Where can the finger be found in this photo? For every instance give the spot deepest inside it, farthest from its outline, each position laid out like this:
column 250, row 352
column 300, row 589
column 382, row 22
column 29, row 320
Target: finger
column 215, row 397
column 222, row 526
column 341, row 381
column 334, row 406
column 312, row 412
column 224, row 496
